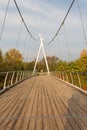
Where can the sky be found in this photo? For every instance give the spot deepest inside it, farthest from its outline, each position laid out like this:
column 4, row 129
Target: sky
column 44, row 17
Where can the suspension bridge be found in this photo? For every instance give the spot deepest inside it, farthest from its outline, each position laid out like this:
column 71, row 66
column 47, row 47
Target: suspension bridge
column 32, row 100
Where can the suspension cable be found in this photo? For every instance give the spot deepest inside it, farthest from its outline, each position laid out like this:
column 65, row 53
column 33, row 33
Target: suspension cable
column 83, row 28
column 59, row 48
column 18, row 37
column 29, row 51
column 61, row 23
column 19, row 34
column 24, row 21
column 4, row 19
column 25, row 43
column 67, row 44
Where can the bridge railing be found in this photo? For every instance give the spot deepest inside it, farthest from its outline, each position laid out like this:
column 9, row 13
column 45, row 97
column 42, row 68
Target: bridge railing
column 76, row 78
column 7, row 79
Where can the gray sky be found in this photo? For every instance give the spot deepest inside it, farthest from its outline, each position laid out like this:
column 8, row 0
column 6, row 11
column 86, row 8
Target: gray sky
column 45, row 17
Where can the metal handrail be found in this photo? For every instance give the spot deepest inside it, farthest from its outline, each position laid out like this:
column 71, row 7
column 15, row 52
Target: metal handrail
column 7, row 79
column 76, row 78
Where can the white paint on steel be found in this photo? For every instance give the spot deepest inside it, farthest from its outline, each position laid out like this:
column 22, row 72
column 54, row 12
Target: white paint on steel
column 79, row 80
column 41, row 47
column 12, row 78
column 5, row 81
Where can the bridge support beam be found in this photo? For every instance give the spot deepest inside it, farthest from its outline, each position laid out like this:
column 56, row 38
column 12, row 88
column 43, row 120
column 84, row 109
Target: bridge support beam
column 41, row 47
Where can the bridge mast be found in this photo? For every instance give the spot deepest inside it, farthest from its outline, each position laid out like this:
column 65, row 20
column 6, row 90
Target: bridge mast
column 41, row 46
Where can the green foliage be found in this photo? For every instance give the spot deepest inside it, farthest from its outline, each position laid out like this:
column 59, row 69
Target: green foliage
column 13, row 55
column 83, row 60
column 13, row 60
column 31, row 66
column 62, row 66
column 79, row 65
column 83, row 54
column 1, row 56
column 52, row 62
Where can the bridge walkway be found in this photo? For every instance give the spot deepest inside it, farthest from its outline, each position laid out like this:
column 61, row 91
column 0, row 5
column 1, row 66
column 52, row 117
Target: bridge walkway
column 43, row 103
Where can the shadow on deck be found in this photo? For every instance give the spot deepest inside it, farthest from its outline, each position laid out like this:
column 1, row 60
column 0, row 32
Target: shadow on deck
column 43, row 103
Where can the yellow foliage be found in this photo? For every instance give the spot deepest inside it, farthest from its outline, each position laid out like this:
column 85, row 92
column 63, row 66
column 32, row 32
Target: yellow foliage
column 83, row 54
column 14, row 55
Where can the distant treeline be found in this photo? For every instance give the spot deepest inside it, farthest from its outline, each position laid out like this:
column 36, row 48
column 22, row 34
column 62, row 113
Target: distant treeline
column 13, row 60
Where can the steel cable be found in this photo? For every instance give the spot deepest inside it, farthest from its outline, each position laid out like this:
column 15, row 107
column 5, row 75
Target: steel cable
column 4, row 20
column 24, row 21
column 67, row 44
column 83, row 28
column 61, row 23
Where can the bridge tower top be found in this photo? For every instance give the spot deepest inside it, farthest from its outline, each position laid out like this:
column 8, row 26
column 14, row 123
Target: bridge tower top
column 43, row 50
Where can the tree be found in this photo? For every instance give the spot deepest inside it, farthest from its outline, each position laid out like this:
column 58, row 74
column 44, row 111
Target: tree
column 13, row 55
column 62, row 66
column 31, row 65
column 52, row 62
column 1, row 60
column 74, row 66
column 79, row 65
column 83, row 60
column 83, row 54
column 13, row 58
column 1, row 56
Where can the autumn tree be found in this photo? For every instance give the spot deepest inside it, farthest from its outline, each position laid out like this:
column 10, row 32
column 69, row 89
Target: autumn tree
column 14, row 59
column 83, row 54
column 62, row 66
column 1, row 60
column 83, row 60
column 14, row 55
column 1, row 56
column 31, row 65
column 52, row 62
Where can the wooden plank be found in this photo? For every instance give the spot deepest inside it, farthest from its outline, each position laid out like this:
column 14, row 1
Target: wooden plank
column 43, row 103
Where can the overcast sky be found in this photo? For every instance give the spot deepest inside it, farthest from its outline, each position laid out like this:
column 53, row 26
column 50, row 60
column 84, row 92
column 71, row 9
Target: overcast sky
column 45, row 17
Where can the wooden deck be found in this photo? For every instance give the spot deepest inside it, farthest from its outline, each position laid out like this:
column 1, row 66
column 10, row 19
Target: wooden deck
column 43, row 103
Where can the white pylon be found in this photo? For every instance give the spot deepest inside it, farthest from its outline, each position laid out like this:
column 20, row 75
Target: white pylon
column 41, row 46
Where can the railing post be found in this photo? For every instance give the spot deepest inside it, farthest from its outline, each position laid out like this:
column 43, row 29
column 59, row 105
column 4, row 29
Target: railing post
column 17, row 76
column 20, row 76
column 71, row 78
column 79, row 80
column 64, row 78
column 57, row 75
column 23, row 75
column 67, row 79
column 60, row 76
column 27, row 74
column 12, row 78
column 63, row 75
column 5, row 81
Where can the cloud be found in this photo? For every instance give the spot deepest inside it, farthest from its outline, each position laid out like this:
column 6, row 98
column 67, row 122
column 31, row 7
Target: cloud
column 41, row 17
